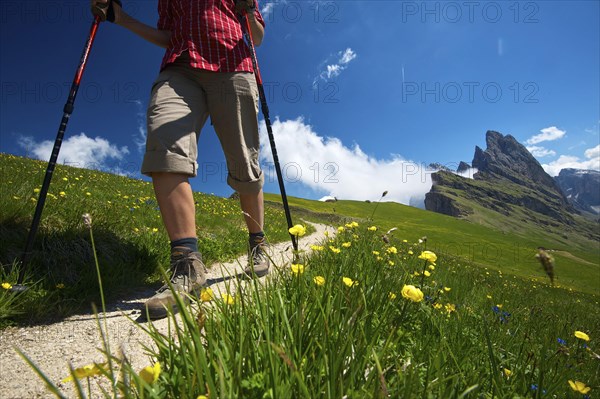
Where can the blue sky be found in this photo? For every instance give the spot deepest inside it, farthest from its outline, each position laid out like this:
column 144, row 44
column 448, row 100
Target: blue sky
column 363, row 94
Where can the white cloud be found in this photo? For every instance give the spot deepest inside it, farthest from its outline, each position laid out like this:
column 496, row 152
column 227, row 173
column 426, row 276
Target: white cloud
column 540, row 152
column 591, row 153
column 468, row 173
column 333, row 70
column 328, row 167
column 140, row 139
column 347, row 56
column 592, row 162
column 547, row 134
column 267, row 7
column 80, row 151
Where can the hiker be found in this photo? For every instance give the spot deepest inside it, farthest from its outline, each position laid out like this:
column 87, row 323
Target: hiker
column 206, row 71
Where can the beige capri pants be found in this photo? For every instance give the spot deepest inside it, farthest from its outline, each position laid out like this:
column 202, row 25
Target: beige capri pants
column 182, row 99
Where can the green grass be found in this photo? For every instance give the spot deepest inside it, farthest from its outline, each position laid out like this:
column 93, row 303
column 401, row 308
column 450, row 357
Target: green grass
column 488, row 326
column 577, row 257
column 130, row 236
column 474, row 334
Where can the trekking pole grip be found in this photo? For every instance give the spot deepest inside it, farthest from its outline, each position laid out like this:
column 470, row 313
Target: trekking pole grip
column 105, row 11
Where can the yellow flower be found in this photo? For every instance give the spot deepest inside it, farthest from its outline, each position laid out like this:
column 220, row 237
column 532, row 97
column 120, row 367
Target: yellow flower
column 391, row 263
column 428, row 256
column 89, row 370
column 437, row 305
column 340, row 229
column 297, row 269
column 346, row 244
column 349, row 282
column 150, row 373
column 450, row 307
column 404, row 241
column 202, row 397
column 334, row 249
column 155, row 230
column 447, row 289
column 392, row 296
column 319, row 280
column 579, row 387
column 392, row 250
column 413, row 293
column 426, row 273
column 36, row 190
column 88, row 193
column 507, row 372
column 376, row 253
column 582, row 335
column 431, row 267
column 372, row 228
column 410, row 252
column 298, row 230
column 62, row 193
column 65, row 179
column 228, row 299
column 207, row 295
column 499, row 306
column 488, row 296
column 6, row 286
column 317, row 247
column 60, row 286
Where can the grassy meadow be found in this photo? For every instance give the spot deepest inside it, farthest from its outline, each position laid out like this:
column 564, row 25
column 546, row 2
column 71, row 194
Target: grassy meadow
column 442, row 308
column 131, row 240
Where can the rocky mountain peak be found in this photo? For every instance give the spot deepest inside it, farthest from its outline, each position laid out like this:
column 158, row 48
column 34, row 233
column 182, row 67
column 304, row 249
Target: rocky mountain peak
column 582, row 188
column 505, row 157
column 509, row 181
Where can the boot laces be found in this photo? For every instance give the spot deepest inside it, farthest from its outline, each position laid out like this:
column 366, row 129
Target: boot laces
column 181, row 267
column 258, row 254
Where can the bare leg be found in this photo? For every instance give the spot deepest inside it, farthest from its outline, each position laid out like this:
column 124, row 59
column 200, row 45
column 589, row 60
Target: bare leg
column 176, row 202
column 253, row 205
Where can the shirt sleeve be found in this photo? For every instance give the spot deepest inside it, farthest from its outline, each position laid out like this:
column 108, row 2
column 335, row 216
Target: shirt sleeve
column 258, row 15
column 164, row 15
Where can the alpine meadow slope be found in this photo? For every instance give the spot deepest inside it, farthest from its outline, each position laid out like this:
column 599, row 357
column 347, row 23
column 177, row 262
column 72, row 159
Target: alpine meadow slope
column 394, row 302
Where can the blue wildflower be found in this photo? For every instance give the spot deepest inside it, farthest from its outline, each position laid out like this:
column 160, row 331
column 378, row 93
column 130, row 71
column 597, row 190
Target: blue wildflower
column 561, row 341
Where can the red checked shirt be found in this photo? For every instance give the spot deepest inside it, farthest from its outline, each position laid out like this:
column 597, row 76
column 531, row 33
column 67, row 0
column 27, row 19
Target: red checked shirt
column 210, row 30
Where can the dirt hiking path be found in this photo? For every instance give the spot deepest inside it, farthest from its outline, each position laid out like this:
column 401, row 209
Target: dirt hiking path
column 76, row 339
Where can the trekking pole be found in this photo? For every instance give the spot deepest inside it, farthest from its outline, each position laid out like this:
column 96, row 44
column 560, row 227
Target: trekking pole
column 265, row 111
column 67, row 111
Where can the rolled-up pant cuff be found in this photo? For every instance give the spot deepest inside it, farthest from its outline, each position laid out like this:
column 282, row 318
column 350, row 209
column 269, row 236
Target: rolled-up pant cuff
column 159, row 161
column 247, row 187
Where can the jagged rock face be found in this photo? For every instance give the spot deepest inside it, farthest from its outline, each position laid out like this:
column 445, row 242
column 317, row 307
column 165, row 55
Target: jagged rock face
column 442, row 204
column 463, row 167
column 509, row 178
column 508, row 158
column 582, row 188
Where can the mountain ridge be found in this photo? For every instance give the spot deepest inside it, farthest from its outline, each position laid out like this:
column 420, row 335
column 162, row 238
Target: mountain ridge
column 510, row 183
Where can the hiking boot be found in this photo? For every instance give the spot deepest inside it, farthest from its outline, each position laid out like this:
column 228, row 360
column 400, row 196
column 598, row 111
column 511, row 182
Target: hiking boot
column 258, row 261
column 187, row 276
